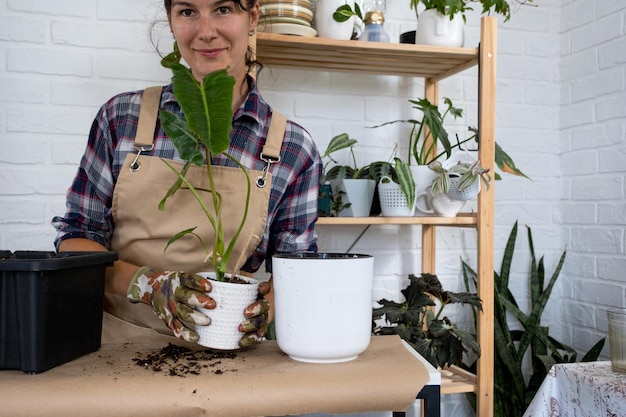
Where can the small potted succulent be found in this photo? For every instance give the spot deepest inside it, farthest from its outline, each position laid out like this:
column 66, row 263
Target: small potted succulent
column 205, row 130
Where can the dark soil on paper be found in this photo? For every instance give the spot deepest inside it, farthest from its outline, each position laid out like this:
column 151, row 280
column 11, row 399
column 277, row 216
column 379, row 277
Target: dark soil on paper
column 181, row 361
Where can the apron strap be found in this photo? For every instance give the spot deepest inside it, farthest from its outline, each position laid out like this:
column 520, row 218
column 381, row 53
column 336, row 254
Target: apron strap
column 149, row 112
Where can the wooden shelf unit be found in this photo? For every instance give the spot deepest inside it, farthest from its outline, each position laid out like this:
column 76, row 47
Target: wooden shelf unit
column 433, row 64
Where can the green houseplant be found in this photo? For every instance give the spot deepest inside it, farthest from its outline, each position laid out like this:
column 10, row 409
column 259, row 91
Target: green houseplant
column 452, row 8
column 205, row 128
column 338, row 181
column 461, row 181
column 204, row 131
column 415, row 320
column 529, row 341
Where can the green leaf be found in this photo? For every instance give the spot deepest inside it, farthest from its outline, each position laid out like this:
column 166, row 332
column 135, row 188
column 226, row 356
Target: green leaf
column 339, row 142
column 184, row 139
column 405, row 180
column 207, row 106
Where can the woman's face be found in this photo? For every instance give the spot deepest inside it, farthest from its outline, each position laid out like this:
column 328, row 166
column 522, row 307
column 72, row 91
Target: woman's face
column 213, row 34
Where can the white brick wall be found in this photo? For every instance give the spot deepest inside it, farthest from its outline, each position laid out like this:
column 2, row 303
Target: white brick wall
column 560, row 114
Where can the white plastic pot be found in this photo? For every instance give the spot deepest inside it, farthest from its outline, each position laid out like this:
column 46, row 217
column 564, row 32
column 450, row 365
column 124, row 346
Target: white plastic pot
column 323, row 305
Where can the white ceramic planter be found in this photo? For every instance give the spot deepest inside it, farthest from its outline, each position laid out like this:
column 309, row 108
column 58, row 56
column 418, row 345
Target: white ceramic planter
column 434, row 28
column 326, row 26
column 358, row 192
column 468, row 193
column 231, row 300
column 323, row 305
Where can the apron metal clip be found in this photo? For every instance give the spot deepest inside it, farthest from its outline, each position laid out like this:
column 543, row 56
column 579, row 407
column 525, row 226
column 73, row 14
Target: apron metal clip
column 136, row 165
column 261, row 180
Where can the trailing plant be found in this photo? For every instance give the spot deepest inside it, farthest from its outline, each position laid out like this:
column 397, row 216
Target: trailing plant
column 469, row 174
column 513, row 390
column 204, row 130
column 452, row 8
column 434, row 337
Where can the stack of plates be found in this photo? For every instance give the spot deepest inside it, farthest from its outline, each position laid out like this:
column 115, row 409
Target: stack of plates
column 289, row 17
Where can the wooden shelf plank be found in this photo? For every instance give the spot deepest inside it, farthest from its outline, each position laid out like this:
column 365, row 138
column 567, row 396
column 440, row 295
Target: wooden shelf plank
column 363, row 57
column 461, row 220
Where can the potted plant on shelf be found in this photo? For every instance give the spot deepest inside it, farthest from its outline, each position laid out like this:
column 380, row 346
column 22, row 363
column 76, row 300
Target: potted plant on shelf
column 205, row 130
column 441, row 22
column 415, row 320
column 461, row 181
column 339, row 181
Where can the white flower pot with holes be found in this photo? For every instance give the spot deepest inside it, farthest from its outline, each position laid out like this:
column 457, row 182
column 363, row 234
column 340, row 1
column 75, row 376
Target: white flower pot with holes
column 231, row 299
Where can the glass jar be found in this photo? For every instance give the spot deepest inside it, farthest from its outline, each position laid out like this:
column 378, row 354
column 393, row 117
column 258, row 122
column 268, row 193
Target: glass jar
column 374, row 30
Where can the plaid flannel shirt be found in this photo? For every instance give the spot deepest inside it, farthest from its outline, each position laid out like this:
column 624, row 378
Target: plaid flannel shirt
column 292, row 210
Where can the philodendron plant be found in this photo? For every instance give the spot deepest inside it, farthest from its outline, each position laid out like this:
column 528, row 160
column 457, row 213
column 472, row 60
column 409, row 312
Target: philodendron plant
column 204, row 130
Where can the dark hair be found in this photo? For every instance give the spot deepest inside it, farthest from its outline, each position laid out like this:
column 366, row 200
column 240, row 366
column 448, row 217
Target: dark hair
column 249, row 4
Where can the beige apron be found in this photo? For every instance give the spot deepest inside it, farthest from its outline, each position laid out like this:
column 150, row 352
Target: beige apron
column 142, row 230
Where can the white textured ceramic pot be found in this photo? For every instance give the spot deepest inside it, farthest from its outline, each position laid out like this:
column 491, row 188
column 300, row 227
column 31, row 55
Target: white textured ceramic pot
column 359, row 193
column 323, row 305
column 326, row 26
column 433, row 28
column 231, row 299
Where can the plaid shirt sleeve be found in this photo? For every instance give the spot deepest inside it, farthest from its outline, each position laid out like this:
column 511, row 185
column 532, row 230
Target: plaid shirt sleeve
column 90, row 196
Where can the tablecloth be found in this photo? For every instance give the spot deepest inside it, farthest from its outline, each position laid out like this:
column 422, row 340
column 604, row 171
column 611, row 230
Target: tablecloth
column 588, row 389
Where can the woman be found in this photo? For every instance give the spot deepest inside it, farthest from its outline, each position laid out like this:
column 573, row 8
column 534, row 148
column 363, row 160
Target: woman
column 106, row 198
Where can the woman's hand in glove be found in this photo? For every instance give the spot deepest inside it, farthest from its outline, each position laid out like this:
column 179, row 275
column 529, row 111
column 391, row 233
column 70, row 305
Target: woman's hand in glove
column 256, row 313
column 173, row 296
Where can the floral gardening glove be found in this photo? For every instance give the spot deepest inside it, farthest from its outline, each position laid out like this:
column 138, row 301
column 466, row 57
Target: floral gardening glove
column 256, row 313
column 173, row 296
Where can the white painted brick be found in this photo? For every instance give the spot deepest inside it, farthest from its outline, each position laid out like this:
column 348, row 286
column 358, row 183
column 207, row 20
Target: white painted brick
column 134, row 10
column 131, row 66
column 58, row 120
column 597, row 240
column 75, row 8
column 612, row 54
column 611, row 108
column 612, row 213
column 579, row 213
column 24, row 149
column 573, row 66
column 596, row 135
column 612, row 269
column 48, row 61
column 576, row 14
column 99, row 36
column 598, row 292
column 597, row 85
column 600, row 31
column 20, row 29
column 612, row 160
column 23, row 90
column 26, row 211
column 577, row 115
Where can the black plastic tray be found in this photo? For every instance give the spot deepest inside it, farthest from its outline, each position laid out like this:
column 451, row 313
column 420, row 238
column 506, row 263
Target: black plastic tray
column 50, row 307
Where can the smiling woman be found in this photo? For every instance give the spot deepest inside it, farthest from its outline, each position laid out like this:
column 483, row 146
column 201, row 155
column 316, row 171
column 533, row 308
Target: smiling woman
column 213, row 35
column 113, row 202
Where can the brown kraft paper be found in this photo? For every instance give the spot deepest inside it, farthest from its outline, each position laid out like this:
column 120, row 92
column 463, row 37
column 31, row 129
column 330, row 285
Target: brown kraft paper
column 261, row 381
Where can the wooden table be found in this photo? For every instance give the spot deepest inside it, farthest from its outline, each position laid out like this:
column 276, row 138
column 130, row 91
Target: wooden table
column 138, row 380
